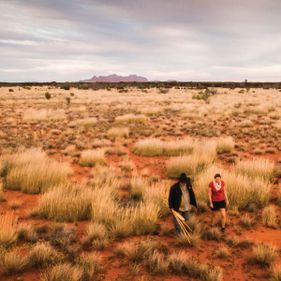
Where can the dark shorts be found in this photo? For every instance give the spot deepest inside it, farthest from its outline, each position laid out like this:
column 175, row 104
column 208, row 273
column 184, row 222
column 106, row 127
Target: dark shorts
column 218, row 205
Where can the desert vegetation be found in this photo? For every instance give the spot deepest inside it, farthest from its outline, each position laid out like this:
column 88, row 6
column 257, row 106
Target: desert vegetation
column 85, row 172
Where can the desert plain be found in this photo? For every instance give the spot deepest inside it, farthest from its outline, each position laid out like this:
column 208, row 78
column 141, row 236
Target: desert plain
column 85, row 177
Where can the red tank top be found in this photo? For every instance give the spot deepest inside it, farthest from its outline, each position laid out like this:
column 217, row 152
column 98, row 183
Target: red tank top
column 217, row 193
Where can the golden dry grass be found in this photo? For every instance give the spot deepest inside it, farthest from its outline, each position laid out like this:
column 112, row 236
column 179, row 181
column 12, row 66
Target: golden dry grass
column 256, row 168
column 157, row 147
column 13, row 262
column 242, row 190
column 269, row 216
column 91, row 158
column 33, row 172
column 76, row 203
column 118, row 132
column 263, row 255
column 8, row 229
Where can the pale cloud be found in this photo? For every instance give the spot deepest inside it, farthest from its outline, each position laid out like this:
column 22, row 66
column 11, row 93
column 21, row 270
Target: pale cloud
column 182, row 39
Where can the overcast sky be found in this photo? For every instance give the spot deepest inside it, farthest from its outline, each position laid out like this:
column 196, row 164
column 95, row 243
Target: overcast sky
column 69, row 40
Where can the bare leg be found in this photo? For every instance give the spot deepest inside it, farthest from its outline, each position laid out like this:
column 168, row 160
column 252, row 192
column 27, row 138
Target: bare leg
column 223, row 217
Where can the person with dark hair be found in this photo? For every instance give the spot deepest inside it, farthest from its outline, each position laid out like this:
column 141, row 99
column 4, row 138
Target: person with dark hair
column 218, row 198
column 181, row 198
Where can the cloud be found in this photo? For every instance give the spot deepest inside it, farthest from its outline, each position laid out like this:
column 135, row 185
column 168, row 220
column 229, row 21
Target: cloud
column 161, row 39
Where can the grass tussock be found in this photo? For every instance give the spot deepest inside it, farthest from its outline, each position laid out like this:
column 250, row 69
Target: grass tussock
column 203, row 155
column 133, row 219
column 247, row 221
column 13, row 262
column 32, row 171
column 33, row 115
column 63, row 272
column 157, row 263
column 213, row 233
column 142, row 190
column 191, row 164
column 90, row 158
column 26, row 232
column 236, row 242
column 43, row 254
column 118, row 132
column 137, row 220
column 269, row 217
column 276, row 273
column 157, row 147
column 91, row 265
column 76, row 203
column 225, row 145
column 192, row 242
column 87, row 122
column 132, row 118
column 182, row 263
column 263, row 255
column 138, row 252
column 97, row 236
column 157, row 260
column 8, row 229
column 222, row 252
column 2, row 196
column 256, row 168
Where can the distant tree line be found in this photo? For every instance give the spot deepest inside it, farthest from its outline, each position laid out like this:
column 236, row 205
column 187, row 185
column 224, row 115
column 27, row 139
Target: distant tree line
column 147, row 85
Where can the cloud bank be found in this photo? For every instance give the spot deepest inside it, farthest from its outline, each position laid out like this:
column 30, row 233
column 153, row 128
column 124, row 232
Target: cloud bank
column 218, row 40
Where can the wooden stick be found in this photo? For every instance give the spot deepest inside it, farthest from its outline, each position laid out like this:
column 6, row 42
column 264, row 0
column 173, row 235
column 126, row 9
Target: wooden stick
column 178, row 215
column 183, row 226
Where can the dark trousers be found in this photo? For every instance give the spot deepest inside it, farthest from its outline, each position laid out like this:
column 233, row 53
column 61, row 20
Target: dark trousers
column 186, row 217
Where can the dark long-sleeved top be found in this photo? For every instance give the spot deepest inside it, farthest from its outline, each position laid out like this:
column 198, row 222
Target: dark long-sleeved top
column 175, row 195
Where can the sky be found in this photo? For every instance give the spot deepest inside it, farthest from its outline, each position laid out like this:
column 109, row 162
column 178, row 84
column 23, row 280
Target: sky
column 184, row 40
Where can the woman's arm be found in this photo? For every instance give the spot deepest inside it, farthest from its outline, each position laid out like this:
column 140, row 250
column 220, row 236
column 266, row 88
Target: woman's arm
column 210, row 197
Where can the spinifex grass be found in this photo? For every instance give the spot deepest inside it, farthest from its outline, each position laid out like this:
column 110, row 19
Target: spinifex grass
column 8, row 229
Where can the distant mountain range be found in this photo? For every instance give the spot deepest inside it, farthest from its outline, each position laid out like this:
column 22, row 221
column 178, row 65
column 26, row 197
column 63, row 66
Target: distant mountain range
column 114, row 78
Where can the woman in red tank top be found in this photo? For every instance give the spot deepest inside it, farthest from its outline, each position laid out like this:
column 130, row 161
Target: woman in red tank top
column 218, row 198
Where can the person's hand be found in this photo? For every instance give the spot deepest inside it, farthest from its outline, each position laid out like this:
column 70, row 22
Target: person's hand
column 227, row 203
column 212, row 205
